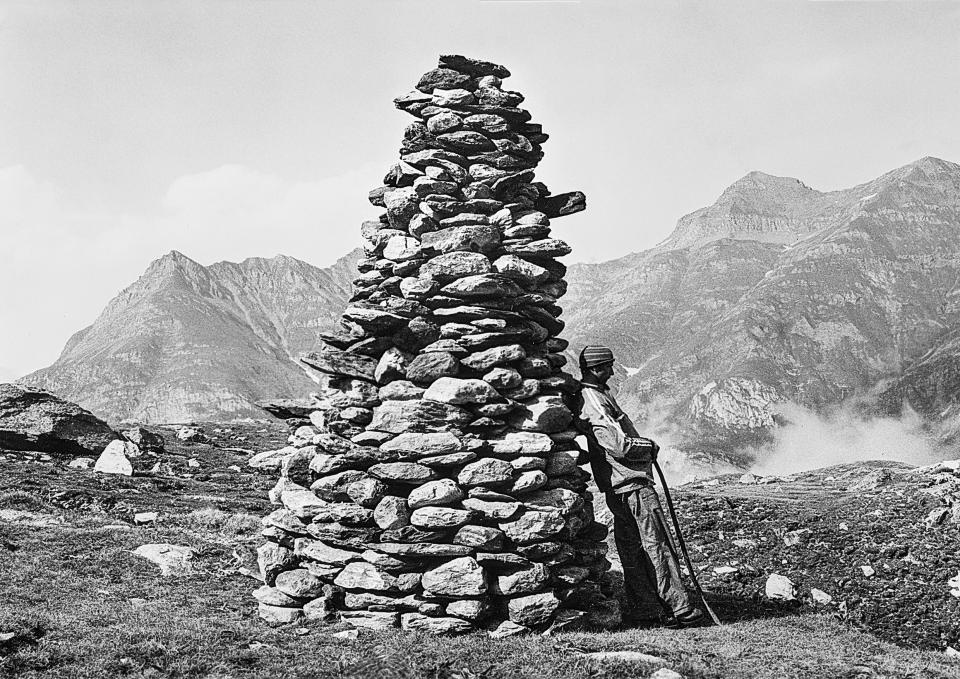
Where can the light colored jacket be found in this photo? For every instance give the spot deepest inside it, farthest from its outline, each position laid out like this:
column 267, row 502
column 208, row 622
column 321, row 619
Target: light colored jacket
column 620, row 458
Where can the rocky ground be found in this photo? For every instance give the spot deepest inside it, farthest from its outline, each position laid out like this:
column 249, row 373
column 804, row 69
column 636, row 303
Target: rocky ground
column 75, row 601
column 877, row 539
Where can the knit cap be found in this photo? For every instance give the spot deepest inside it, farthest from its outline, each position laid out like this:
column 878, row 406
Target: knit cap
column 594, row 355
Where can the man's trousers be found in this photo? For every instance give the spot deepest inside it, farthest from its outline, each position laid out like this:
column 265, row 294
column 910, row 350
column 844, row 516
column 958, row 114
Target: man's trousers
column 651, row 574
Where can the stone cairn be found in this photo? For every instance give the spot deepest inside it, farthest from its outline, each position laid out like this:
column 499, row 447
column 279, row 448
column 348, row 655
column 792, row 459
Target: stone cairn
column 436, row 486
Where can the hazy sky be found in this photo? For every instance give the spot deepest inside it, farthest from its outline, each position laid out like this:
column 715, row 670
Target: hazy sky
column 228, row 130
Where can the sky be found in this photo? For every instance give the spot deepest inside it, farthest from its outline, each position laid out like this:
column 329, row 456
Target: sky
column 234, row 129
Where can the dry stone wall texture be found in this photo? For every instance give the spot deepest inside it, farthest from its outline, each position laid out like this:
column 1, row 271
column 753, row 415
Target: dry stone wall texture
column 434, row 485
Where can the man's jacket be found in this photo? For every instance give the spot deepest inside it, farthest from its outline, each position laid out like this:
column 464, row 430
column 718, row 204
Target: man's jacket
column 620, row 458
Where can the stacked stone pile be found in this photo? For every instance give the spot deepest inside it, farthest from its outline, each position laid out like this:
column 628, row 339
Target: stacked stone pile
column 436, row 486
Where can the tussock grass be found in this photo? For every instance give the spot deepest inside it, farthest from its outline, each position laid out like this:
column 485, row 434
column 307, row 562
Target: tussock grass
column 215, row 520
column 22, row 500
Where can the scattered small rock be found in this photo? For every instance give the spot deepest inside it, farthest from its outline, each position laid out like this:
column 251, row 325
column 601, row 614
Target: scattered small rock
column 780, row 587
column 508, row 629
column 346, row 635
column 820, row 597
column 172, row 559
column 664, row 673
column 142, row 518
column 191, row 435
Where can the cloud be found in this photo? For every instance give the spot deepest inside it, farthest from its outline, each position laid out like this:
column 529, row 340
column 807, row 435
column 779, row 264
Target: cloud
column 63, row 264
column 810, row 440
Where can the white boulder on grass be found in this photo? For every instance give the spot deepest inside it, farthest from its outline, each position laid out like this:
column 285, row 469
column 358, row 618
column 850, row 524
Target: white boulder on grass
column 113, row 459
column 780, row 587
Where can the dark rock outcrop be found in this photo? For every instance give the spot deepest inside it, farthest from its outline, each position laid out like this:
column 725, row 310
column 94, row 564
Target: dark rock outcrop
column 33, row 419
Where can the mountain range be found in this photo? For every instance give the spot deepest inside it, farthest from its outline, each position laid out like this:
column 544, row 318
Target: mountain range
column 775, row 294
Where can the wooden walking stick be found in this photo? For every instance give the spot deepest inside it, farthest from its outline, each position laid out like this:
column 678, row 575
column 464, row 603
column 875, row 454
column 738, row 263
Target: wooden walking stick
column 683, row 544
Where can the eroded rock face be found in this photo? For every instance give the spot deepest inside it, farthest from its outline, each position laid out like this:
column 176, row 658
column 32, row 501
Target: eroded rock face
column 33, row 419
column 451, row 493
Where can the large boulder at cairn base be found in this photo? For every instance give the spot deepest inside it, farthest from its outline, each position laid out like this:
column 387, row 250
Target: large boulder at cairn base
column 449, row 494
column 33, row 419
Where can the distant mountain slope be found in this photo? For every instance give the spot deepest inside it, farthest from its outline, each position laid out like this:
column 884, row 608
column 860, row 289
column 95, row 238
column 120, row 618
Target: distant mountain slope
column 721, row 331
column 188, row 342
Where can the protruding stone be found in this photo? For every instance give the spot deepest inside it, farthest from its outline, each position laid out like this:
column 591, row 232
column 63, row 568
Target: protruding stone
column 336, row 362
column 485, row 472
column 497, row 511
column 454, row 265
column 279, row 615
column 460, row 392
column 508, row 628
column 529, row 481
column 315, row 550
column 392, row 513
column 479, row 537
column 299, row 583
column 440, row 517
column 397, row 417
column 441, row 492
column 375, row 620
column 525, row 581
column 484, row 360
column 533, row 527
column 365, row 576
column 272, row 560
column 545, row 414
column 435, row 625
column 534, row 609
column 428, row 367
column 402, row 472
column 421, row 549
column 461, row 577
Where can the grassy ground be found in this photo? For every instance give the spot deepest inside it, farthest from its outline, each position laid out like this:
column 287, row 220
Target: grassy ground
column 80, row 604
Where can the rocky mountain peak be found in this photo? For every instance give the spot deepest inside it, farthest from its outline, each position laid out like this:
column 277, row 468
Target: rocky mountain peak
column 762, row 193
column 187, row 341
column 759, row 206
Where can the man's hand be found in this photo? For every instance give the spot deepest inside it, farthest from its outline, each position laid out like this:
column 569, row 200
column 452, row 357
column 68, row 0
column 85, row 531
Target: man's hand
column 643, row 449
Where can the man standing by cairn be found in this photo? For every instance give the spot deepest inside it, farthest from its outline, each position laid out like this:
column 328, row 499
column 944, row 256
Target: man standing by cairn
column 622, row 464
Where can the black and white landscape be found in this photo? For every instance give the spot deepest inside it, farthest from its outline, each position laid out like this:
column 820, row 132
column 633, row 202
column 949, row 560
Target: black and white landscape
column 329, row 431
column 776, row 300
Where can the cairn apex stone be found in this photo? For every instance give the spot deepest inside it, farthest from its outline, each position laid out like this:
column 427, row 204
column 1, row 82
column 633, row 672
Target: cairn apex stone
column 473, row 67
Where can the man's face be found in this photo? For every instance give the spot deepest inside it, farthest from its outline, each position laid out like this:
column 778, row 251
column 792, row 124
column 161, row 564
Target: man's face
column 603, row 372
